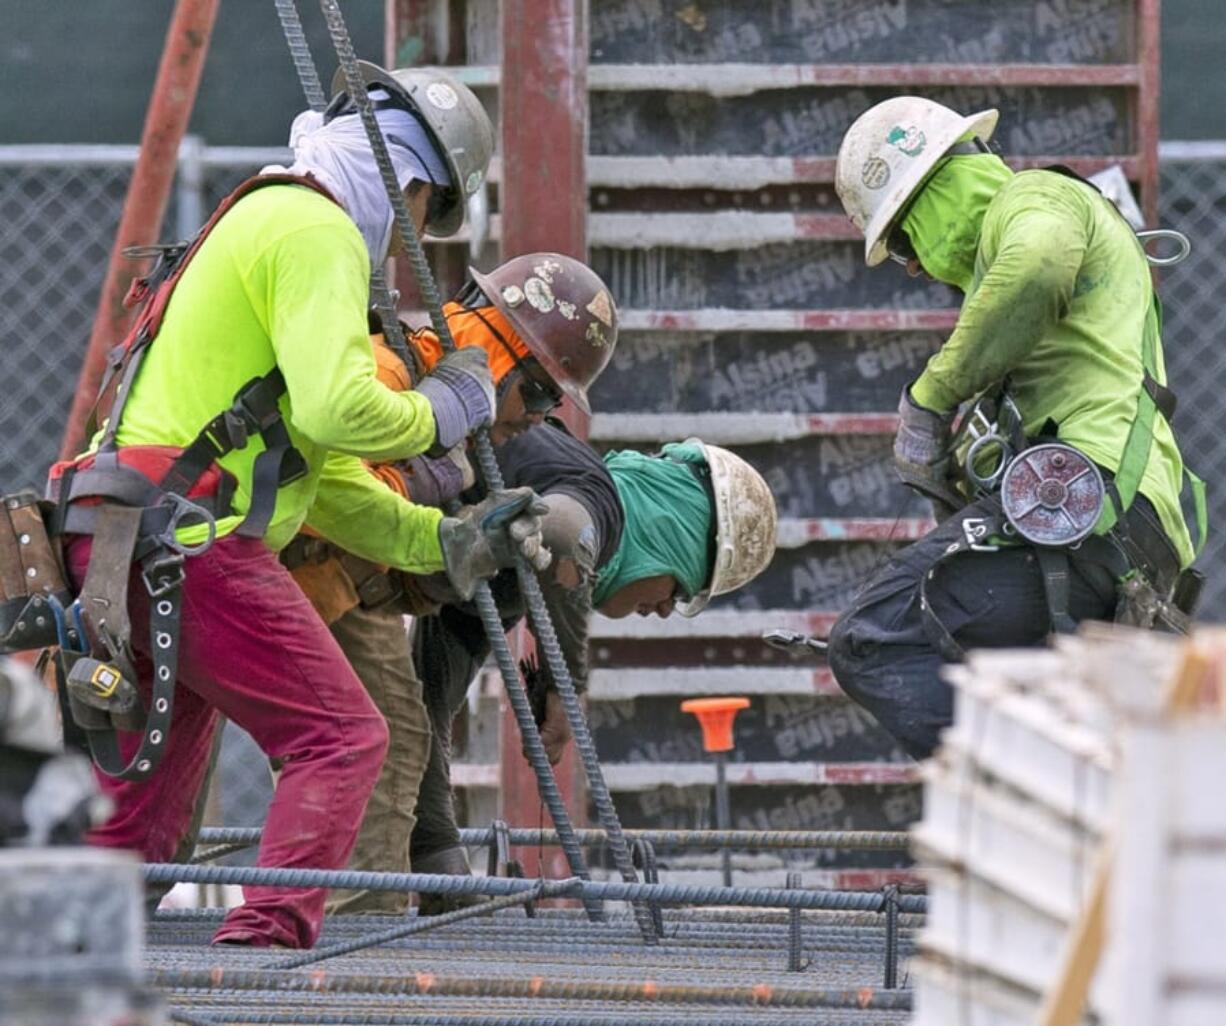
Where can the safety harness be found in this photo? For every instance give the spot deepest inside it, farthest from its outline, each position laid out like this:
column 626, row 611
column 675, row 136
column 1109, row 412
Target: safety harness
column 1065, row 484
column 133, row 501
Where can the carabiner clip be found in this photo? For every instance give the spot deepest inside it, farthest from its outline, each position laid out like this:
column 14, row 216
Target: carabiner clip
column 1155, row 234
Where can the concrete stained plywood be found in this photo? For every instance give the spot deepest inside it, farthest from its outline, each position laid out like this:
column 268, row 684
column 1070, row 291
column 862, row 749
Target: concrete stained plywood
column 775, row 728
column 742, row 372
column 878, row 31
column 801, row 275
column 810, row 121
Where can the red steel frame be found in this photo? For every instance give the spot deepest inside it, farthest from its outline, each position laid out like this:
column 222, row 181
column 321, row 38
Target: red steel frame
column 543, row 201
column 170, row 108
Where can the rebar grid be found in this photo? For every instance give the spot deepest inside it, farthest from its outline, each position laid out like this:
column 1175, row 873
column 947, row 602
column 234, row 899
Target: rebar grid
column 716, row 966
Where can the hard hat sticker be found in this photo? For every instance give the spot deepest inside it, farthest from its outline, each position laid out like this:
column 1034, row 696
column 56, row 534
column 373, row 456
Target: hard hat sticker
column 474, row 180
column 566, row 309
column 910, row 140
column 595, row 335
column 512, row 295
column 546, row 269
column 875, row 173
column 540, row 295
column 601, row 307
column 441, row 95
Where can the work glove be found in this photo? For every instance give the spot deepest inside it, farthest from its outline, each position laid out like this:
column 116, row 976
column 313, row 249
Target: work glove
column 436, row 481
column 922, row 451
column 461, row 393
column 547, row 709
column 480, row 540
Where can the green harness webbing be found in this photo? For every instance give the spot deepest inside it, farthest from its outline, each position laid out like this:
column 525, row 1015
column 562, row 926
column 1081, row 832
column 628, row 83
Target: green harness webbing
column 1135, row 456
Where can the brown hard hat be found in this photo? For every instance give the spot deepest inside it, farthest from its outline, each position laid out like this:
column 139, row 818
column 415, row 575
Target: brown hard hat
column 562, row 311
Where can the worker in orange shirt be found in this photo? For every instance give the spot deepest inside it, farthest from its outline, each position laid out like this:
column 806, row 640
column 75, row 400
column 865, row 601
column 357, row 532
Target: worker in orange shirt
column 566, row 323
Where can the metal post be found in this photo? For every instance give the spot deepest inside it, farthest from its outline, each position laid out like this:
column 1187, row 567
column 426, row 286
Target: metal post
column 723, row 811
column 1146, row 110
column 174, row 95
column 189, row 197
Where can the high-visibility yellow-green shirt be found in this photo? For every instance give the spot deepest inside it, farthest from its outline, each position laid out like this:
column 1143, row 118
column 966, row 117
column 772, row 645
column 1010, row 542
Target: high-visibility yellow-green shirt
column 282, row 280
column 1057, row 296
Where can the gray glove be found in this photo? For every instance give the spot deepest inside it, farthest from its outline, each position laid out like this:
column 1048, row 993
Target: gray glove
column 435, row 482
column 922, row 450
column 461, row 392
column 480, row 540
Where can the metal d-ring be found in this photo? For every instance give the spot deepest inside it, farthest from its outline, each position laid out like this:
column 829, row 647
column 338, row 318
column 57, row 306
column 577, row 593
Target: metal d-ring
column 1155, row 234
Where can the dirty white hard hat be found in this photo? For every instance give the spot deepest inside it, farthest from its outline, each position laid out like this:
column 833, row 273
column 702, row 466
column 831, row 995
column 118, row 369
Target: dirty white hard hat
column 746, row 524
column 887, row 155
column 454, row 116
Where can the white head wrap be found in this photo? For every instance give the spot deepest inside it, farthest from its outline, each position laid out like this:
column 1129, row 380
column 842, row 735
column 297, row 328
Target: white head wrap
column 338, row 154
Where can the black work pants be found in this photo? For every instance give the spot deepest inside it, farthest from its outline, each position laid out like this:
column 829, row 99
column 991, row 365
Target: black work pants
column 887, row 658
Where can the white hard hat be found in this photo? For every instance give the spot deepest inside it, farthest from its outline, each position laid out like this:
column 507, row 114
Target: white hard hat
column 745, row 525
column 886, row 156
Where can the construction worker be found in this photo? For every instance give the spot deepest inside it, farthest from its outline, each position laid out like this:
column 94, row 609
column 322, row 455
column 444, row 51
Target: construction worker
column 259, row 329
column 629, row 533
column 547, row 325
column 1068, row 508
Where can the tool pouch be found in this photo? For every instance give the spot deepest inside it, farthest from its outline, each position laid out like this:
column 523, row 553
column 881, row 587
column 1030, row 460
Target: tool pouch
column 31, row 574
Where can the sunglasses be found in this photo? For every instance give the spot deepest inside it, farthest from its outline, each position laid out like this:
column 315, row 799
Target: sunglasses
column 537, row 396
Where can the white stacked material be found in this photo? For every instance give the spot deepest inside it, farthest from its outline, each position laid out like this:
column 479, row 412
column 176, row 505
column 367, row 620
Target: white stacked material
column 1015, row 804
column 1167, row 900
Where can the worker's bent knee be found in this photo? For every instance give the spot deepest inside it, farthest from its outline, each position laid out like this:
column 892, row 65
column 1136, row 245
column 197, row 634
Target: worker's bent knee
column 848, row 652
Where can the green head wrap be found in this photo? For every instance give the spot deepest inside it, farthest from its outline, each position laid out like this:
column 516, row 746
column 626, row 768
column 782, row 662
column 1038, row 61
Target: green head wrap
column 945, row 220
column 668, row 521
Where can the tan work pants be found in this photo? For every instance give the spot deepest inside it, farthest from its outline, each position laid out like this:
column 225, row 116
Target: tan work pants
column 377, row 647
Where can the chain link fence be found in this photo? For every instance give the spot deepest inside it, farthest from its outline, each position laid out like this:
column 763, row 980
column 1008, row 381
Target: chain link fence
column 60, row 208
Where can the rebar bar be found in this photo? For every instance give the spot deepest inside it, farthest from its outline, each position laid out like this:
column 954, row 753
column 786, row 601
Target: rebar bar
column 766, row 840
column 891, row 938
column 300, row 52
column 535, row 987
column 419, row 924
column 617, row 1018
column 666, row 894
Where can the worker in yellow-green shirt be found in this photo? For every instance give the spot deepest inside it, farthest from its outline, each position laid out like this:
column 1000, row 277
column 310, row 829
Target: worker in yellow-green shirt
column 1068, row 507
column 244, row 410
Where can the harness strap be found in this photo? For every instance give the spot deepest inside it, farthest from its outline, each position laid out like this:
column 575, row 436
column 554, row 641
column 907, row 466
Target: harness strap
column 104, row 595
column 163, row 577
column 1054, row 566
column 980, row 523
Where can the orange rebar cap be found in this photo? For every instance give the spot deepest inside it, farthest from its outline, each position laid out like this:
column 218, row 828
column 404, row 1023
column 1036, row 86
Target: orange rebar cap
column 715, row 716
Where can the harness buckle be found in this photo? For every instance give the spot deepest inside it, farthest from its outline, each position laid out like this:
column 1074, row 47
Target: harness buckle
column 975, row 530
column 182, row 508
column 163, row 574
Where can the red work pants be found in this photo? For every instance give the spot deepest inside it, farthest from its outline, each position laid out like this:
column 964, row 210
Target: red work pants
column 252, row 648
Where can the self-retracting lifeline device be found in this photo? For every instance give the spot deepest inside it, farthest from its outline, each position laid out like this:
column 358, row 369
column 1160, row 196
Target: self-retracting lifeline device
column 135, row 501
